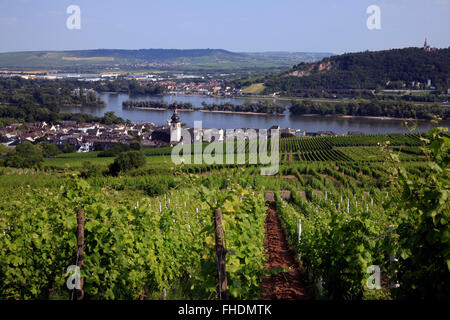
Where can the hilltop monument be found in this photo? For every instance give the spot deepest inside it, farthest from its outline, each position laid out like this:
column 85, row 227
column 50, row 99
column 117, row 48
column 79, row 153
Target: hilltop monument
column 427, row 47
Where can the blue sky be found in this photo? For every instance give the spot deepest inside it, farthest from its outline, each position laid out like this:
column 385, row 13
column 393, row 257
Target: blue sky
column 238, row 25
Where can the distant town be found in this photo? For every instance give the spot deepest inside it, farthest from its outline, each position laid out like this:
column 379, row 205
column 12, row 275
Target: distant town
column 173, row 83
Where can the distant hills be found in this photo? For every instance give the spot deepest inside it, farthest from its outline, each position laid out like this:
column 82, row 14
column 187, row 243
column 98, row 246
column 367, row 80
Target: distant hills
column 394, row 69
column 157, row 59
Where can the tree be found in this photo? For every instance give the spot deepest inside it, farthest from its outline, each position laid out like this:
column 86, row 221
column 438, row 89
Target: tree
column 126, row 161
column 26, row 155
column 89, row 170
column 49, row 149
column 4, row 150
column 135, row 146
column 114, row 150
column 341, row 108
column 68, row 148
column 111, row 118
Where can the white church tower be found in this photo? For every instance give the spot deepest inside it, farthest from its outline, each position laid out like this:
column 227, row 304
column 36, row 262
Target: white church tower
column 175, row 128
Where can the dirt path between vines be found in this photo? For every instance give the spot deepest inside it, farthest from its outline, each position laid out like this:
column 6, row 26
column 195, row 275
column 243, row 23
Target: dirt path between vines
column 288, row 158
column 286, row 285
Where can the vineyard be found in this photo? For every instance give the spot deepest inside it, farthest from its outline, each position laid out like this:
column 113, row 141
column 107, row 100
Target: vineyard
column 151, row 233
column 131, row 248
column 339, row 148
column 347, row 148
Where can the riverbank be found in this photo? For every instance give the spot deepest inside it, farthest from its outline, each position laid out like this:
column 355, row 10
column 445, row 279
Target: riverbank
column 362, row 117
column 337, row 124
column 243, row 112
column 160, row 109
column 287, row 98
column 357, row 117
column 282, row 114
column 213, row 111
column 331, row 116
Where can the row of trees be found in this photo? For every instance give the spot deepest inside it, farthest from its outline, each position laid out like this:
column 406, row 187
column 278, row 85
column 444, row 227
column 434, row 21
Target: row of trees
column 396, row 109
column 157, row 104
column 118, row 148
column 124, row 161
column 129, row 86
column 248, row 106
column 28, row 155
column 25, row 155
column 68, row 85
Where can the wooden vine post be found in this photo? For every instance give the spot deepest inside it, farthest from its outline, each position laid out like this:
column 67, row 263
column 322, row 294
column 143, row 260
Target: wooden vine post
column 220, row 255
column 80, row 249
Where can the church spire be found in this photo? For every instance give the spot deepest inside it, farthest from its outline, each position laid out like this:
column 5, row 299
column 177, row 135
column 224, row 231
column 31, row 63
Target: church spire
column 175, row 127
column 175, row 118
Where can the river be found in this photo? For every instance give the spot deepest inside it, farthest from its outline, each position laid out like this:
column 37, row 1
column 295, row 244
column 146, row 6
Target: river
column 338, row 125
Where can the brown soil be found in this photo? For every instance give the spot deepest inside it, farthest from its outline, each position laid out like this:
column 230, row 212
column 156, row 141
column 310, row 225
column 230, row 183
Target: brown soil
column 269, row 196
column 347, row 176
column 333, row 179
column 285, row 194
column 286, row 177
column 318, row 192
column 285, row 285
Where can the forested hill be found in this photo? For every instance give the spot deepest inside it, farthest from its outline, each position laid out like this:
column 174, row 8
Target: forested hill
column 393, row 69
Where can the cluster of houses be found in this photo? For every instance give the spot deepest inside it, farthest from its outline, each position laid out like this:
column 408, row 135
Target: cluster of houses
column 212, row 87
column 176, row 84
column 85, row 136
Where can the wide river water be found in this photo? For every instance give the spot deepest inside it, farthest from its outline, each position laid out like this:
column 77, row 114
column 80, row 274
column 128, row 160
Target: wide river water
column 338, row 125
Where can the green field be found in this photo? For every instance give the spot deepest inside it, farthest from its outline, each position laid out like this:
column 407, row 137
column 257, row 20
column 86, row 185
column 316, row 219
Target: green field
column 255, row 88
column 75, row 160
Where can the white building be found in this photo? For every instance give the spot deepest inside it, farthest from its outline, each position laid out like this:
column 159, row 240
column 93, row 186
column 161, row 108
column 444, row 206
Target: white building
column 86, row 147
column 175, row 128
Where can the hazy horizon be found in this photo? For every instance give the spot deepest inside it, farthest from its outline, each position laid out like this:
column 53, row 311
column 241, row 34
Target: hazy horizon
column 269, row 51
column 90, row 49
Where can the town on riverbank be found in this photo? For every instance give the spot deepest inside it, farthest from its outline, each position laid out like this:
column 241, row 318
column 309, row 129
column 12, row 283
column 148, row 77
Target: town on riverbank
column 86, row 137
